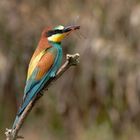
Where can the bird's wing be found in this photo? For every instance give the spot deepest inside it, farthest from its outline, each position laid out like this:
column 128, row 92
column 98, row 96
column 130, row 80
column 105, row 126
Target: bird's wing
column 39, row 66
column 39, row 69
column 32, row 72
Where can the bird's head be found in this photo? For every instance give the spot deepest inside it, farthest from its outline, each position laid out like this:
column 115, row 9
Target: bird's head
column 58, row 33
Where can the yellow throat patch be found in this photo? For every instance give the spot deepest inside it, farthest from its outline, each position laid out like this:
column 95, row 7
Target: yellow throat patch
column 56, row 37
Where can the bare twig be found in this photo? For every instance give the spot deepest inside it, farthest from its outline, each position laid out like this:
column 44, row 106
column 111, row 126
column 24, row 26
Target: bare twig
column 71, row 60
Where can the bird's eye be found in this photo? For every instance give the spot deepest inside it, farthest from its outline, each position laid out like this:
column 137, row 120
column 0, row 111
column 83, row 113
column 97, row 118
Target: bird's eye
column 52, row 32
column 49, row 33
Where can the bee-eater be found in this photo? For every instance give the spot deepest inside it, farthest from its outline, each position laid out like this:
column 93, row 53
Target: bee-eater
column 44, row 63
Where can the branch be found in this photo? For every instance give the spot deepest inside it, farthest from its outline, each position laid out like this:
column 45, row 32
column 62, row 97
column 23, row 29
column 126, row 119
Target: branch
column 71, row 60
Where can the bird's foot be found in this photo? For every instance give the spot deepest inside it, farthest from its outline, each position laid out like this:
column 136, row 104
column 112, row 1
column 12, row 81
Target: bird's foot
column 53, row 74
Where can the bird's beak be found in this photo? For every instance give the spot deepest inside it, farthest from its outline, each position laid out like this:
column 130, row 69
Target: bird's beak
column 58, row 37
column 69, row 29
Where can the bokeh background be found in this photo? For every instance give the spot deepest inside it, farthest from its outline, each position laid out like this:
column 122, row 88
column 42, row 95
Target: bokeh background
column 97, row 100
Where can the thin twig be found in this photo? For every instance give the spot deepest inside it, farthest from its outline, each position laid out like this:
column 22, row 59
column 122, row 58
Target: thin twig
column 71, row 60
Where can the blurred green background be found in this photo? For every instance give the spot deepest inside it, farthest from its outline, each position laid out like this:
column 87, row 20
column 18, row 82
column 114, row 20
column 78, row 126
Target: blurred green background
column 97, row 100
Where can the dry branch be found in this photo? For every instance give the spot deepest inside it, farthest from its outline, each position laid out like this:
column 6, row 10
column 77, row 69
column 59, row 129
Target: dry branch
column 71, row 60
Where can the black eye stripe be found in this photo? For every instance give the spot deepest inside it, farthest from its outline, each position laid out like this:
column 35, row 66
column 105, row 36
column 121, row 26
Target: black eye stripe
column 52, row 32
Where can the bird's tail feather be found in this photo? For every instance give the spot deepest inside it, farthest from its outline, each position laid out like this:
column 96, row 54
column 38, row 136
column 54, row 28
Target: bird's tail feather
column 15, row 122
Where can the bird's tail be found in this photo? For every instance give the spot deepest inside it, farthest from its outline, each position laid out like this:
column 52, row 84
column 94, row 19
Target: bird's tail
column 15, row 122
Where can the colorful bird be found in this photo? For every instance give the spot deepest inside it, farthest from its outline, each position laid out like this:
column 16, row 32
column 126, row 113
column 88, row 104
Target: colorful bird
column 44, row 63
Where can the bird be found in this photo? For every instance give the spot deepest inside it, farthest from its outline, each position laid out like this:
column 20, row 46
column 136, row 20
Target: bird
column 44, row 63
